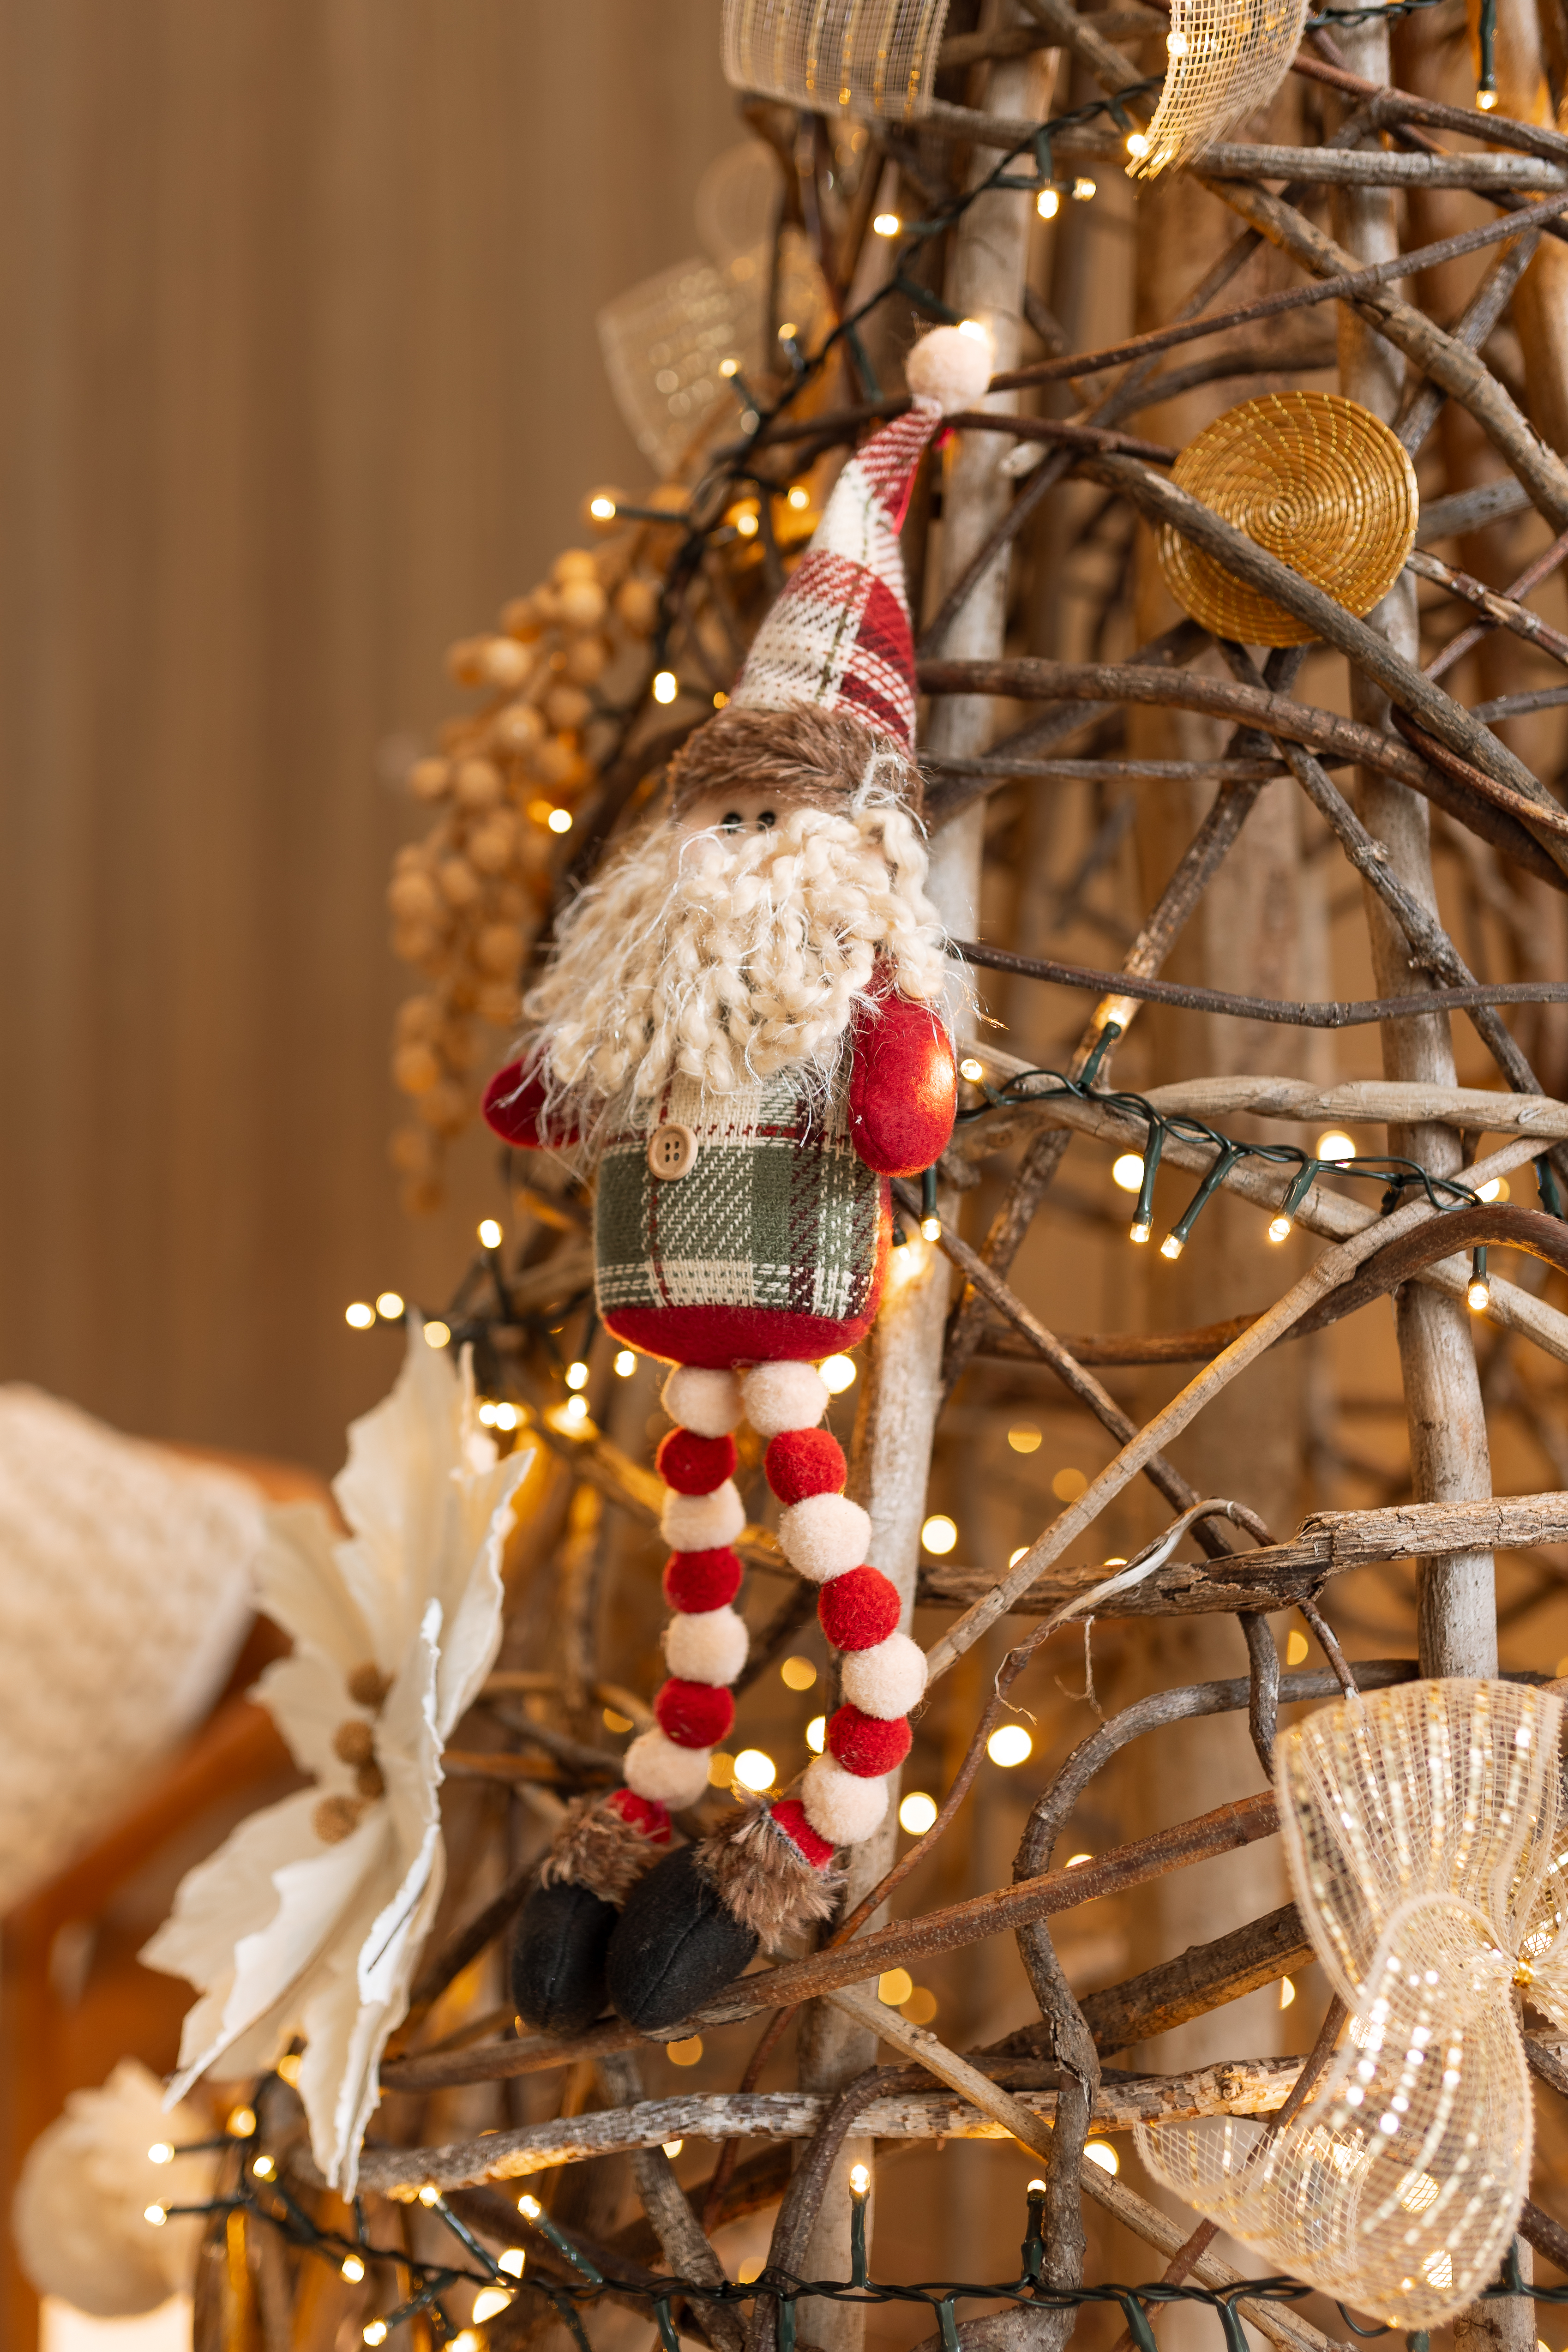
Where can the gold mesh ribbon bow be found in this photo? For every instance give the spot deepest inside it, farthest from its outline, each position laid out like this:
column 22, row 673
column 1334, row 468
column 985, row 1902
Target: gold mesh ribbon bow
column 1427, row 1835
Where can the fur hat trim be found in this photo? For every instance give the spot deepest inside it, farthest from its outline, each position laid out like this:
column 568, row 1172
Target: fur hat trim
column 763, row 1879
column 598, row 1848
column 804, row 753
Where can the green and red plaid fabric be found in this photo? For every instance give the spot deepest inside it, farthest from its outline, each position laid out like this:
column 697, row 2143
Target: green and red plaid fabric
column 775, row 1210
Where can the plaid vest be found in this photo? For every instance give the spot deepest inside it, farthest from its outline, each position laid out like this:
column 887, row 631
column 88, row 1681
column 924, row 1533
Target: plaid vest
column 775, row 1210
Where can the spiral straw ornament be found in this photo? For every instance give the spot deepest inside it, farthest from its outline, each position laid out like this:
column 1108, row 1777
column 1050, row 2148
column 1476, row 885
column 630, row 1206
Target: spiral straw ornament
column 1316, row 479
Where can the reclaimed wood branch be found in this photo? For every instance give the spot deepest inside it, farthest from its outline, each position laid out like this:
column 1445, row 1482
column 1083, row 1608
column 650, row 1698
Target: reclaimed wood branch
column 1505, row 611
column 1202, row 1977
column 1252, row 2086
column 1104, row 684
column 1376, row 167
column 1278, row 1576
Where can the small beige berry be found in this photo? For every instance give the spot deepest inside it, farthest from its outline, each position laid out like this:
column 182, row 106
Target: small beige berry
column 479, row 784
column 522, row 620
column 369, row 1782
column 418, row 1017
column 415, row 1069
column 584, row 659
column 504, row 662
column 428, row 778
column 518, row 729
column 499, row 950
column 422, row 1196
column 567, row 707
column 573, row 563
column 416, row 943
column 459, row 1045
column 491, row 845
column 459, row 884
column 581, row 604
column 413, row 897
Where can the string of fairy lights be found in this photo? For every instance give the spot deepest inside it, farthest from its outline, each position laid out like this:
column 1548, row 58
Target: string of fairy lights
column 497, row 2279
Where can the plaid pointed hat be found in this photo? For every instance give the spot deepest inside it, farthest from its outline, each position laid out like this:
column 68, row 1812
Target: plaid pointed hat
column 839, row 637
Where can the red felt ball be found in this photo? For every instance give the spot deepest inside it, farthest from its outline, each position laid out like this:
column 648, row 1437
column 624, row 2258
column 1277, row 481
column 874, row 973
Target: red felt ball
column 790, row 1817
column 696, row 1582
column 645, row 1813
column 695, row 1714
column 864, row 1744
column 694, row 1464
column 858, row 1610
column 802, row 1462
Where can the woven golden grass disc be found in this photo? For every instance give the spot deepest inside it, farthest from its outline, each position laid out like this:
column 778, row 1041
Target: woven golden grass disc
column 1317, row 480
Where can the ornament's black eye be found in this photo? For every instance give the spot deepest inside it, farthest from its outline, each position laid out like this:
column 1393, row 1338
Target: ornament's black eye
column 732, row 821
column 765, row 818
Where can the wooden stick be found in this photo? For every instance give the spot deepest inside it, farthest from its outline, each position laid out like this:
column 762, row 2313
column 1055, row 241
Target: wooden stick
column 1347, row 283
column 1504, row 611
column 981, row 2110
column 1355, row 1013
column 1375, row 167
column 1529, row 578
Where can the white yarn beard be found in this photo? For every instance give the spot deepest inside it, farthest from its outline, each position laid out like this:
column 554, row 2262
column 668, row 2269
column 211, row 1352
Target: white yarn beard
column 727, row 958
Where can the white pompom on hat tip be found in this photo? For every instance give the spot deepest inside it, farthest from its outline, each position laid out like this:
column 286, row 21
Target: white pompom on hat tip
column 951, row 365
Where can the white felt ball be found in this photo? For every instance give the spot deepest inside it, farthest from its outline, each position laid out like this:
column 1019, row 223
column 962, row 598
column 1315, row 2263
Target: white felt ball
column 703, row 1522
column 656, row 1768
column 951, row 365
column 841, row 1805
column 886, row 1680
column 783, row 1396
column 708, row 1402
column 824, row 1535
column 711, row 1647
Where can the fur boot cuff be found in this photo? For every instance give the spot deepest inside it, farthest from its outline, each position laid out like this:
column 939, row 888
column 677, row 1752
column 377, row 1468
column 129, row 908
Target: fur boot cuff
column 598, row 1848
column 763, row 1879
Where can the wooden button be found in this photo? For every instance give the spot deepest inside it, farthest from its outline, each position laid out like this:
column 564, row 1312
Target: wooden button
column 671, row 1152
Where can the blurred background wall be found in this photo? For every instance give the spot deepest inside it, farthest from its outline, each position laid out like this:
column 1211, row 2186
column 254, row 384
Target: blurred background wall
column 298, row 379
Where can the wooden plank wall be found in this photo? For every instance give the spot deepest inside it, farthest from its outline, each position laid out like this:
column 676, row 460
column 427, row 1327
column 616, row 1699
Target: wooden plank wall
column 298, row 381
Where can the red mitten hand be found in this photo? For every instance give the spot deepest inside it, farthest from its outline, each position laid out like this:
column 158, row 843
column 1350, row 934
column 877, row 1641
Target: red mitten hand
column 514, row 1105
column 904, row 1088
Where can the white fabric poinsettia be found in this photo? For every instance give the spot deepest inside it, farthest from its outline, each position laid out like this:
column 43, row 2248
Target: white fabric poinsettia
column 309, row 1918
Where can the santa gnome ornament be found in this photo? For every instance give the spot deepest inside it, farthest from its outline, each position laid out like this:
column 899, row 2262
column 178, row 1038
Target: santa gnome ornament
column 741, row 1025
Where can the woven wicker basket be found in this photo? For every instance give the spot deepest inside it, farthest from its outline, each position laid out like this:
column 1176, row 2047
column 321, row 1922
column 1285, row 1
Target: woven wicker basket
column 1320, row 482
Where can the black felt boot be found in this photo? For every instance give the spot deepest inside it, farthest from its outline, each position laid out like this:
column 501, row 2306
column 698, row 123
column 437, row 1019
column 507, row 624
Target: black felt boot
column 676, row 1945
column 557, row 1959
column 691, row 1925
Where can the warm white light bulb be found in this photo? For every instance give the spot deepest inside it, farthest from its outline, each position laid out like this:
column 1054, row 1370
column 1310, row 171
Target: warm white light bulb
column 575, row 1410
column 490, row 2301
column 1477, row 1297
column 559, row 819
column 1138, row 1233
column 438, row 1334
column 1100, row 2152
column 601, row 510
column 729, row 367
column 374, row 2331
column 1279, row 1227
column 1009, row 1744
column 1083, row 190
column 489, row 1232
column 1137, row 144
column 529, row 2208
column 666, row 685
column 976, row 329
column 625, row 1363
column 939, row 1534
column 1334, row 1144
column 746, row 523
column 352, row 2269
column 800, row 497
column 1127, row 1171
column 263, row 2167
column 673, row 2148
column 971, row 1070
column 390, row 1305
column 887, row 223
column 577, row 1375
column 1176, row 44
column 931, row 1229
column 155, row 2215
column 916, row 1812
column 1048, row 204
column 429, row 2195
column 817, row 1734
column 160, row 2153
column 514, row 2261
column 1496, row 1190
column 837, row 1373
column 753, row 1769
column 860, row 2180
column 1172, row 1247
column 360, row 1315
column 506, row 1416
column 1486, row 100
